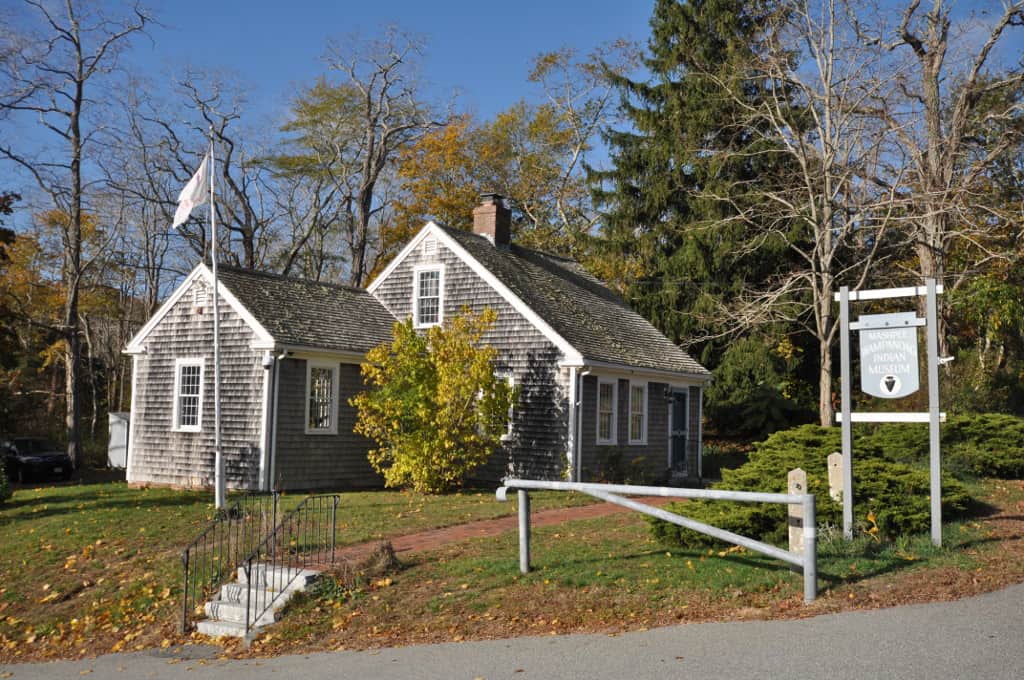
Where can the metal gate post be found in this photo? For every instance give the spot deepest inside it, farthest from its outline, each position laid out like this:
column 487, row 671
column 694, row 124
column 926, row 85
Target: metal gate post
column 934, row 457
column 524, row 531
column 810, row 550
column 846, row 433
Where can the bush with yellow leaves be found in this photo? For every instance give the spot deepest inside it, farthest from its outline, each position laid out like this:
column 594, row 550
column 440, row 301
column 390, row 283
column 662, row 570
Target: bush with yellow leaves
column 433, row 405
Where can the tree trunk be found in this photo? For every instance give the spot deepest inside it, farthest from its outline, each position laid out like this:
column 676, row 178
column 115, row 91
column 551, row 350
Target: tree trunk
column 826, row 410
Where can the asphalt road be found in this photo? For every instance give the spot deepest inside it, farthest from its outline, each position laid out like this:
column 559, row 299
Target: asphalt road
column 980, row 637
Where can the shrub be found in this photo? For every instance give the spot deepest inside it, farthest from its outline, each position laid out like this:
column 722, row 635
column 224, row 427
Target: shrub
column 5, row 485
column 983, row 444
column 434, row 406
column 895, row 493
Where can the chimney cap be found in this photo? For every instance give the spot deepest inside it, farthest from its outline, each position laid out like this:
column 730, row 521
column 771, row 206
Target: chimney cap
column 491, row 198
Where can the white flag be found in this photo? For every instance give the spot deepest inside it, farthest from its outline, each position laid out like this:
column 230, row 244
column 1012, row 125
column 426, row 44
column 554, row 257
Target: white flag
column 193, row 194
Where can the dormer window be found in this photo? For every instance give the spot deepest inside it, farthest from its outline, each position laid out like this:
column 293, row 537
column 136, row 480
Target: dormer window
column 428, row 296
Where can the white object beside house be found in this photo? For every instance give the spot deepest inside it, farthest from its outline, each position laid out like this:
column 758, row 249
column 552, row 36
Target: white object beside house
column 597, row 382
column 117, row 447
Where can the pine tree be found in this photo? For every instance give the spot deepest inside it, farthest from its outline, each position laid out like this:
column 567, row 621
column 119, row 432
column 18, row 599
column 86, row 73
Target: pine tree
column 671, row 248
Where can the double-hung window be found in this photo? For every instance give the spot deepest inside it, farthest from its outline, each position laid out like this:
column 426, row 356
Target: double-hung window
column 637, row 413
column 188, row 395
column 607, row 410
column 321, row 398
column 428, row 296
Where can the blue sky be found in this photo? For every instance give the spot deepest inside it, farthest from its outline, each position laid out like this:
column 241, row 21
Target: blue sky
column 482, row 50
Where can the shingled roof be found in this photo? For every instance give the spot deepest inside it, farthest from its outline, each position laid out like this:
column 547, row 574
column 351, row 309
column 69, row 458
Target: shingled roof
column 581, row 309
column 302, row 313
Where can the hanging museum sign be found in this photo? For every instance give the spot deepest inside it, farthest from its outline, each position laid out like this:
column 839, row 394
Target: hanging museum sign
column 888, row 355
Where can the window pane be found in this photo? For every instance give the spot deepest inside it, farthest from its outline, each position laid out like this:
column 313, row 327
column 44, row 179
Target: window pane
column 321, row 393
column 428, row 304
column 189, row 386
column 605, row 411
column 636, row 412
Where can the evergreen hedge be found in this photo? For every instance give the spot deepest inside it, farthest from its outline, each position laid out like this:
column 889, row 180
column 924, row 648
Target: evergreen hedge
column 894, row 493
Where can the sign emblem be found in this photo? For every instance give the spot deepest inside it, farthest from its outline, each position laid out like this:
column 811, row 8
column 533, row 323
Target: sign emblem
column 888, row 355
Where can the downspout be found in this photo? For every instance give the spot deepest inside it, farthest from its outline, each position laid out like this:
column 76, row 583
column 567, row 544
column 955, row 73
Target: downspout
column 578, row 453
column 571, row 448
column 275, row 384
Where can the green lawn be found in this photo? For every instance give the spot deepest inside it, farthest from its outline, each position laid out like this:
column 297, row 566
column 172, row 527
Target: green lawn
column 85, row 566
column 610, row 575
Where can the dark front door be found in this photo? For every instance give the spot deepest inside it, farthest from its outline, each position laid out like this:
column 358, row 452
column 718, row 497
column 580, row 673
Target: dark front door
column 677, row 430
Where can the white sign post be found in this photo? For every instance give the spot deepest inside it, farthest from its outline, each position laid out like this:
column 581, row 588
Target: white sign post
column 889, row 369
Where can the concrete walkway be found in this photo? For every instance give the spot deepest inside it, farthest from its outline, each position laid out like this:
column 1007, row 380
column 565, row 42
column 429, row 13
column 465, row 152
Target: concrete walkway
column 437, row 538
column 977, row 637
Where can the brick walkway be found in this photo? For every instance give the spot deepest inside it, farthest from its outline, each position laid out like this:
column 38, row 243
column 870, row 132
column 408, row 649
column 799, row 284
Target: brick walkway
column 436, row 538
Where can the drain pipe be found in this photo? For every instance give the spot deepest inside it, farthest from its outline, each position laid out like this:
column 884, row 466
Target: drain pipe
column 577, row 471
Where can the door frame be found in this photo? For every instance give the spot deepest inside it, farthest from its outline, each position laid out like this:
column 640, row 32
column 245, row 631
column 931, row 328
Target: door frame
column 673, row 389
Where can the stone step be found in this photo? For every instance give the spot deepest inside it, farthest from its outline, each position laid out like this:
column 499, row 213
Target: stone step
column 238, row 592
column 226, row 629
column 275, row 577
column 234, row 612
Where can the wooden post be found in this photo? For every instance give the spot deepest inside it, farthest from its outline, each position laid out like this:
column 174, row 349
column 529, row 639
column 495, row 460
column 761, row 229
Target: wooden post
column 835, row 476
column 796, row 483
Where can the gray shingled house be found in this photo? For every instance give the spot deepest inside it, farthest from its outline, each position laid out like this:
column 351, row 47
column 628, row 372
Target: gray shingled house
column 598, row 384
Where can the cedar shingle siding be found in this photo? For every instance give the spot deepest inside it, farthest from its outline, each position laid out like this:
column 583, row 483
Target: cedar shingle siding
column 538, row 446
column 559, row 314
column 634, row 462
column 161, row 455
column 319, row 461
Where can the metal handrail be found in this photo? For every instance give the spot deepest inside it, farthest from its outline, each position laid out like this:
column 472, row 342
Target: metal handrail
column 305, row 536
column 211, row 558
column 806, row 560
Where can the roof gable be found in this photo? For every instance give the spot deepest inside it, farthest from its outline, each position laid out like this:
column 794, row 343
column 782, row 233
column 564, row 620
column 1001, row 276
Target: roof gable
column 286, row 312
column 574, row 309
column 201, row 271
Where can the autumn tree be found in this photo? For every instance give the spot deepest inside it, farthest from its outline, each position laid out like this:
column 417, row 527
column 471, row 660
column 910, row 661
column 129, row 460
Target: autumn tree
column 62, row 57
column 434, row 406
column 534, row 153
column 350, row 132
column 950, row 95
column 824, row 204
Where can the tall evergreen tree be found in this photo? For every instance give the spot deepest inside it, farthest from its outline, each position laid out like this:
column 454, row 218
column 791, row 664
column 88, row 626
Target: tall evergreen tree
column 671, row 247
column 674, row 254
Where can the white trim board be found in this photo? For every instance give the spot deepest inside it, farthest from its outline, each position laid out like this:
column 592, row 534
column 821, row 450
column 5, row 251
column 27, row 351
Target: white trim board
column 886, row 293
column 132, row 419
column 650, row 374
column 263, row 338
column 570, row 353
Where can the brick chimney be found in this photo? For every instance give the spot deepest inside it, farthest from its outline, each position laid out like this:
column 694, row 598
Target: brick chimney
column 493, row 220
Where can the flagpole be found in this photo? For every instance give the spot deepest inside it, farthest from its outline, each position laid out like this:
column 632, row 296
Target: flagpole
column 218, row 461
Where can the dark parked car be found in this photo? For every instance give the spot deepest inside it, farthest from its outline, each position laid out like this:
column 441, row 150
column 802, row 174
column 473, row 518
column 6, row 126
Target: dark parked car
column 28, row 458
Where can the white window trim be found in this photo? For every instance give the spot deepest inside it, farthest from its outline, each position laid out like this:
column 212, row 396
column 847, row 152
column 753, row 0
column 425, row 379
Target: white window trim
column 176, row 411
column 416, row 271
column 335, row 375
column 615, row 412
column 644, row 425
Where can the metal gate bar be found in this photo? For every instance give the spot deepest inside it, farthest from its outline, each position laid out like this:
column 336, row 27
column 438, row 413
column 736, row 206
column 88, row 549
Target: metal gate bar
column 806, row 561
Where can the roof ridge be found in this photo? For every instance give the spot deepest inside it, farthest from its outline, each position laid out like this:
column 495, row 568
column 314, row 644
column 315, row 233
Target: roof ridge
column 516, row 246
column 293, row 279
